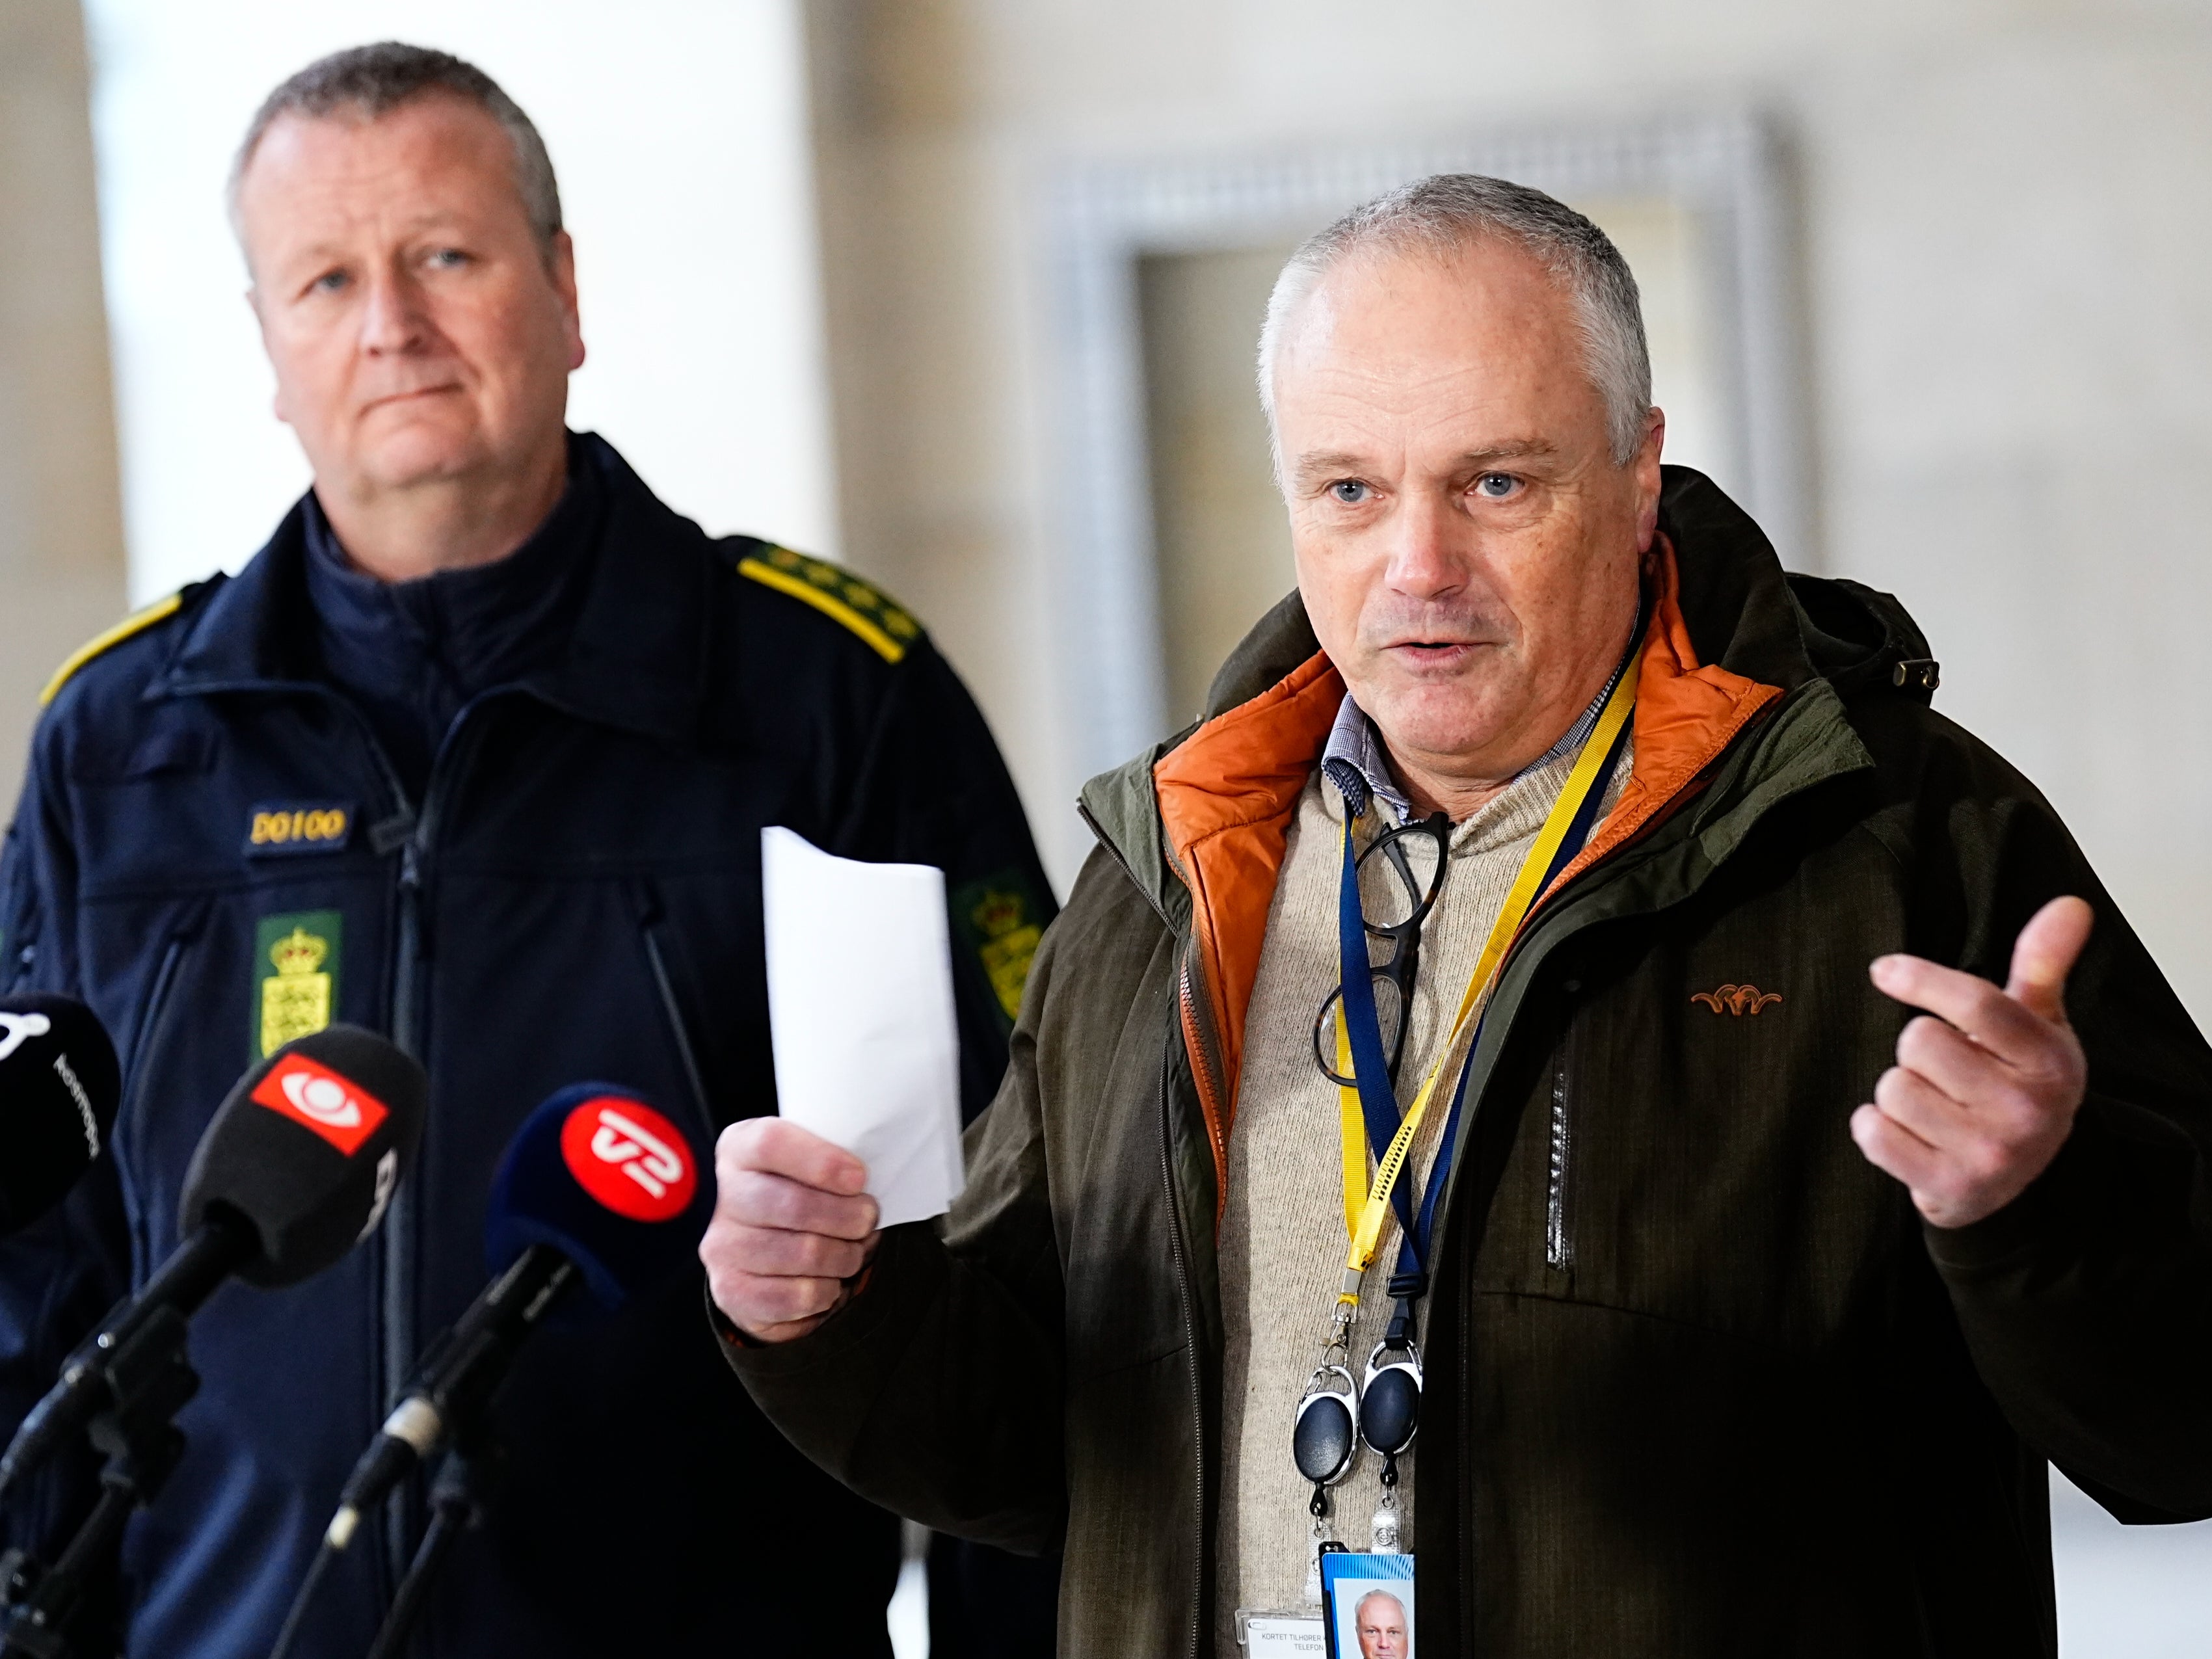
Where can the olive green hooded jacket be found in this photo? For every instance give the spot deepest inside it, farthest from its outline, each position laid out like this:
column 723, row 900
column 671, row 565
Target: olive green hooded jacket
column 1700, row 1383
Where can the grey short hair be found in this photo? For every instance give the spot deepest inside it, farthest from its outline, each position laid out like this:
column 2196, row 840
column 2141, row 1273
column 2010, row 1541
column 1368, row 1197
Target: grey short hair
column 1359, row 1607
column 378, row 79
column 1442, row 214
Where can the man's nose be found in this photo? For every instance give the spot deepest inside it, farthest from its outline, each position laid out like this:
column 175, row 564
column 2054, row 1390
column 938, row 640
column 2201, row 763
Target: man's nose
column 393, row 320
column 1425, row 562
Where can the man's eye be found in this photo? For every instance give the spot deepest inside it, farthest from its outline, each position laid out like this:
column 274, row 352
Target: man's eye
column 448, row 258
column 1496, row 486
column 1350, row 491
column 330, row 282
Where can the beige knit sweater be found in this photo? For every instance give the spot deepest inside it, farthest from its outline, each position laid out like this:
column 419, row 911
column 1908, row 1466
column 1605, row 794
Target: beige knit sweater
column 1282, row 1232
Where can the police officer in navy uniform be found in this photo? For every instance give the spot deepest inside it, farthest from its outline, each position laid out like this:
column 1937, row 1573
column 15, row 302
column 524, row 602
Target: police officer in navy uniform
column 477, row 751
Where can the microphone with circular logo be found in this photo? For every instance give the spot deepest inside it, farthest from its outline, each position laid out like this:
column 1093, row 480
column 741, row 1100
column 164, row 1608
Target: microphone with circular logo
column 59, row 1086
column 296, row 1167
column 597, row 1189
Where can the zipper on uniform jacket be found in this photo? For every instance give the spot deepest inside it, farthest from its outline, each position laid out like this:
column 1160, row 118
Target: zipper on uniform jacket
column 1185, row 1302
column 400, row 1338
column 398, row 1241
column 400, row 832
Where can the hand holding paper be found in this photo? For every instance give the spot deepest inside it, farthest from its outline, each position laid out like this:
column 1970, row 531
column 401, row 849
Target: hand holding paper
column 866, row 1060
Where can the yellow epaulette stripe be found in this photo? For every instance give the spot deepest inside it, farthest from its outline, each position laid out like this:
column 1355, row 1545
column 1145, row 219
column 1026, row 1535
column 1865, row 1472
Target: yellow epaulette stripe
column 809, row 593
column 136, row 623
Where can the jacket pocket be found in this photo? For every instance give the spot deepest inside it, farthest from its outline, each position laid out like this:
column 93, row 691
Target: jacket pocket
column 1558, row 1236
column 652, row 922
column 146, row 1031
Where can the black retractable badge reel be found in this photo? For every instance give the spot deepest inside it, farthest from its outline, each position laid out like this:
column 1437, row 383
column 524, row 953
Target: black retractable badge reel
column 1324, row 1439
column 1325, row 1435
column 1390, row 1413
column 1325, row 1445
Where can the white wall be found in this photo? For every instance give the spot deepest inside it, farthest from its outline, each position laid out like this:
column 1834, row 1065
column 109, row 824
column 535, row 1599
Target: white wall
column 678, row 130
column 2011, row 241
column 61, row 529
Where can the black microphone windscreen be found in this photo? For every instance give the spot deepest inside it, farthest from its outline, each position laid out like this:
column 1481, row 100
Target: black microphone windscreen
column 307, row 1148
column 609, row 1182
column 59, row 1087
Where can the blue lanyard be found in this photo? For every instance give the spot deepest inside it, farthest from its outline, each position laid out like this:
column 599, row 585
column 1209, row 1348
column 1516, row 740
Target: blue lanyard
column 1379, row 1102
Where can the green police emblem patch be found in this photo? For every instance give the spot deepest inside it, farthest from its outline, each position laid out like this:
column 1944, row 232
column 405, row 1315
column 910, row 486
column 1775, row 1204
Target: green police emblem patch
column 997, row 919
column 295, row 977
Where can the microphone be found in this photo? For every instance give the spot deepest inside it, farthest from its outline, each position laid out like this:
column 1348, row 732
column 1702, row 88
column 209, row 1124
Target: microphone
column 60, row 1085
column 296, row 1167
column 597, row 1187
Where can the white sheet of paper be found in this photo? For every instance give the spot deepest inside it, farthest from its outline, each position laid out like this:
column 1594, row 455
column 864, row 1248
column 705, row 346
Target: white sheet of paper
column 859, row 1002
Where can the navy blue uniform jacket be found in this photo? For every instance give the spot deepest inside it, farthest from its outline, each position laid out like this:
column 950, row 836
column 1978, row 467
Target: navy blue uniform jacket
column 576, row 895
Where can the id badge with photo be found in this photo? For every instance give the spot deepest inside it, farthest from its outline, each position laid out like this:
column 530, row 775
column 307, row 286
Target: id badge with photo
column 1367, row 1605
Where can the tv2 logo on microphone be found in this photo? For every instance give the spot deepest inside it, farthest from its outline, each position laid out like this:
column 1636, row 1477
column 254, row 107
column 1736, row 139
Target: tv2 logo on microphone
column 339, row 1111
column 630, row 1158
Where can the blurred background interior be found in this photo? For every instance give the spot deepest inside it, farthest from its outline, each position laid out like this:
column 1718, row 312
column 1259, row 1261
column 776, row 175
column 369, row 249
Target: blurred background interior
column 963, row 293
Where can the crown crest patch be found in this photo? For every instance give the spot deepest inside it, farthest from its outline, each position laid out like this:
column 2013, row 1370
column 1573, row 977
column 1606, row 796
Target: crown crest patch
column 297, row 961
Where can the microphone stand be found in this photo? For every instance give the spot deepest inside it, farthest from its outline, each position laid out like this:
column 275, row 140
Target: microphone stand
column 149, row 1380
column 456, row 1504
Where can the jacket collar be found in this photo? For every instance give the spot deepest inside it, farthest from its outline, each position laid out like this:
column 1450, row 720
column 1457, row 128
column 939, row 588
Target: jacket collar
column 637, row 657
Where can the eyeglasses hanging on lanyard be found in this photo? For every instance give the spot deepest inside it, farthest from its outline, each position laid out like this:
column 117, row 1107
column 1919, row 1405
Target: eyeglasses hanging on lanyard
column 1415, row 854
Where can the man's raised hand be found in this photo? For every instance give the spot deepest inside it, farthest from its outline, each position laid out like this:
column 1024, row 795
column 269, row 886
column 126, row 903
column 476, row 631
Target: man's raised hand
column 792, row 1228
column 1981, row 1099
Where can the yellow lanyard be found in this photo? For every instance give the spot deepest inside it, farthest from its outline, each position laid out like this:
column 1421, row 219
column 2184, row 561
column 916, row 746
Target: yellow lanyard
column 1367, row 1203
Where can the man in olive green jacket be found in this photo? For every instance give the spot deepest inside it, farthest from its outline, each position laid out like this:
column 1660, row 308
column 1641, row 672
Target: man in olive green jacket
column 1722, row 1355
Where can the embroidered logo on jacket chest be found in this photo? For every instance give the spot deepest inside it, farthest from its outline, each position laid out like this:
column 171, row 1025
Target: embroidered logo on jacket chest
column 1738, row 1000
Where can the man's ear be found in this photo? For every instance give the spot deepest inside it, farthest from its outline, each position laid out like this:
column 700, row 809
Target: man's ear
column 561, row 268
column 1646, row 466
